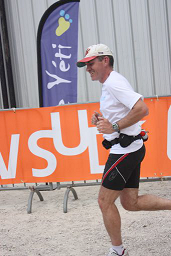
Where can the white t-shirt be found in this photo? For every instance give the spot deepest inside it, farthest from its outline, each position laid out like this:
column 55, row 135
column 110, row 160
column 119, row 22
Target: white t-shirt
column 117, row 99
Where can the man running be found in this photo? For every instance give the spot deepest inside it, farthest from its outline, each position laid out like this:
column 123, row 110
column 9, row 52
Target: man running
column 121, row 110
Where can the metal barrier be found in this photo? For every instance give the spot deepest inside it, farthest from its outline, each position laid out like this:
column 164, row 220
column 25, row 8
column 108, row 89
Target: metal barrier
column 70, row 187
column 37, row 188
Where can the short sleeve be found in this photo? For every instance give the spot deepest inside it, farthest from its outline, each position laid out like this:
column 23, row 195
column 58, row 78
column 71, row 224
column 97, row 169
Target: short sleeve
column 124, row 93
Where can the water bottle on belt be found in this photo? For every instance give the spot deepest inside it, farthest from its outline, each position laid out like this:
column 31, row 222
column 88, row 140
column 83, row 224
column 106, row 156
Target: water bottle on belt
column 144, row 135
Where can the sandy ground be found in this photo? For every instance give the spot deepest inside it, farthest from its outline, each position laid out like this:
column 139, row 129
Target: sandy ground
column 47, row 231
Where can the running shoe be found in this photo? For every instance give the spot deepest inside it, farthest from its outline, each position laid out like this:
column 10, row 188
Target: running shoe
column 114, row 253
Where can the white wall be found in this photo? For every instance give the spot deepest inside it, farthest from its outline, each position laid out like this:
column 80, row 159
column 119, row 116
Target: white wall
column 138, row 32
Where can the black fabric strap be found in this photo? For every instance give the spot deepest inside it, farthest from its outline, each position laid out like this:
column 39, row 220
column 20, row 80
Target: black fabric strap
column 116, row 140
column 124, row 140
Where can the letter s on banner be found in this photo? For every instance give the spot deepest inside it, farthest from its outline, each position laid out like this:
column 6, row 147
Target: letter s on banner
column 36, row 150
column 169, row 134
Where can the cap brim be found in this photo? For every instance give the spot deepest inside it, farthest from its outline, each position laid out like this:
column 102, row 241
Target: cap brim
column 82, row 63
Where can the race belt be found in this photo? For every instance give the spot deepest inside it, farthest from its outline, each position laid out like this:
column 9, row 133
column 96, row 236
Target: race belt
column 124, row 140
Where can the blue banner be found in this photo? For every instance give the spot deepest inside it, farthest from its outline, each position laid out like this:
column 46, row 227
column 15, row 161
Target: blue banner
column 57, row 54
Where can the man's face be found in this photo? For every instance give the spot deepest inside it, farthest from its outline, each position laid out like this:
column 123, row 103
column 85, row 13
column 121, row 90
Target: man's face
column 96, row 69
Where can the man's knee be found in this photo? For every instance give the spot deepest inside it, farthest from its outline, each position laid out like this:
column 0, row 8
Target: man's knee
column 129, row 205
column 129, row 199
column 107, row 198
column 103, row 204
column 126, row 205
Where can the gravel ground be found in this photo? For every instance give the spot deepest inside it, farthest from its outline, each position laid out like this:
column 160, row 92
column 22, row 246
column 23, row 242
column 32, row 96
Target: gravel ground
column 79, row 232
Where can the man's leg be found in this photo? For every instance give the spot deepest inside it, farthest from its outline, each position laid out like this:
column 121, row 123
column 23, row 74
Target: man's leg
column 131, row 201
column 110, row 214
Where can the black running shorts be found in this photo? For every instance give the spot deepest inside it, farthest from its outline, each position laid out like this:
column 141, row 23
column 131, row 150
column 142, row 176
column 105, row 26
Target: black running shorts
column 123, row 170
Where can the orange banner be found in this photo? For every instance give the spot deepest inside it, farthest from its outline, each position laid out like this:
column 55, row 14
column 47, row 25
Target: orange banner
column 57, row 144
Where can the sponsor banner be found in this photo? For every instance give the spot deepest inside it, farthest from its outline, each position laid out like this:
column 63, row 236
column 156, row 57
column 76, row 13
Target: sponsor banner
column 59, row 144
column 57, row 47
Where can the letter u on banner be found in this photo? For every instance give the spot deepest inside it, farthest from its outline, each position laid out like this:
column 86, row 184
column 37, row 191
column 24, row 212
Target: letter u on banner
column 57, row 47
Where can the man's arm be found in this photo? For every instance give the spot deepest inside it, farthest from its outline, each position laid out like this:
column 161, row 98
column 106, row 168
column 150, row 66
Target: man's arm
column 138, row 111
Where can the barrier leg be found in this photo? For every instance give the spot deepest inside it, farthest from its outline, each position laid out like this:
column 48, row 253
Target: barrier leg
column 33, row 190
column 66, row 197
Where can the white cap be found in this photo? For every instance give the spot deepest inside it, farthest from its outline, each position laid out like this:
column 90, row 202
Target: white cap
column 94, row 51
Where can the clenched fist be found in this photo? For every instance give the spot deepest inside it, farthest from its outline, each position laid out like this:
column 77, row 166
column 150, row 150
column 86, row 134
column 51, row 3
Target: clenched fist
column 104, row 126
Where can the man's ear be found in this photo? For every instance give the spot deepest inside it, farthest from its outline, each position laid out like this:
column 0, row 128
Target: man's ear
column 106, row 59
